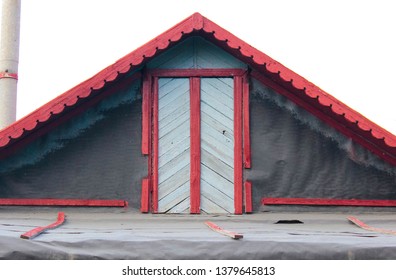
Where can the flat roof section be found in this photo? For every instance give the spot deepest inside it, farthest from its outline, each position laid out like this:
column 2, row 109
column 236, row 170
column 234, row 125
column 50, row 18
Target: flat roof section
column 114, row 233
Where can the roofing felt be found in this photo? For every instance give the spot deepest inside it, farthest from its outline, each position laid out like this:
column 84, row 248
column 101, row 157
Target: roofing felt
column 124, row 234
column 267, row 70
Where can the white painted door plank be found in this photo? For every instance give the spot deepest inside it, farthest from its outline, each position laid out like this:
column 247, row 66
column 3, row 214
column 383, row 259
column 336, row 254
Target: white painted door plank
column 213, row 113
column 174, row 182
column 222, row 155
column 170, row 127
column 172, row 96
column 211, row 132
column 217, row 197
column 214, row 103
column 176, row 150
column 174, row 198
column 218, row 125
column 217, row 165
column 172, row 167
column 217, row 94
column 223, row 83
column 209, row 175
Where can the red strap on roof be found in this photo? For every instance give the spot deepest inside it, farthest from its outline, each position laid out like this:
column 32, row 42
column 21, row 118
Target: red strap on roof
column 39, row 230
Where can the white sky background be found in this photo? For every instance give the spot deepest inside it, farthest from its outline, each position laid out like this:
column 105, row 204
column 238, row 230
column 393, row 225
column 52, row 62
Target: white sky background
column 347, row 48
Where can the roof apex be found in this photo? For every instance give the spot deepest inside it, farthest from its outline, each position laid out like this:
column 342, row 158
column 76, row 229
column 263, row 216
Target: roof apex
column 198, row 21
column 298, row 89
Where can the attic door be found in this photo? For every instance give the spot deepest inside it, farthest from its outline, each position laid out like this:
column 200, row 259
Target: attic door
column 196, row 152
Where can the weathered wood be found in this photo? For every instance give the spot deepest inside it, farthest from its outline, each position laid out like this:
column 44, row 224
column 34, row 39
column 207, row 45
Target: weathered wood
column 238, row 164
column 221, row 154
column 155, row 152
column 174, row 148
column 217, row 146
column 227, row 186
column 248, row 197
column 178, row 135
column 173, row 182
column 327, row 202
column 171, row 90
column 362, row 225
column 246, row 124
column 39, row 230
column 187, row 73
column 172, row 167
column 221, row 124
column 211, row 56
column 180, row 117
column 146, row 114
column 221, row 83
column 174, row 198
column 195, row 142
column 195, row 52
column 213, row 192
column 204, row 116
column 216, row 103
column 219, row 94
column 218, row 121
column 217, row 165
column 62, row 202
column 218, row 229
column 145, row 196
column 177, row 111
column 210, row 207
column 209, row 131
column 180, row 56
column 178, row 148
column 182, row 207
column 173, row 107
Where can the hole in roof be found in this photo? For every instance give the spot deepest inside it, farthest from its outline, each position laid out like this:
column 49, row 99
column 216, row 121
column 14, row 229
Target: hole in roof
column 289, row 222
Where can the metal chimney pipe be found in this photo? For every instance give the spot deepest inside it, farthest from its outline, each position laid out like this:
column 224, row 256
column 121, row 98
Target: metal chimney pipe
column 9, row 58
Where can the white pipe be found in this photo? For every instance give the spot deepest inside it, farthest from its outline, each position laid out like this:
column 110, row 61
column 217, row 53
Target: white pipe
column 9, row 58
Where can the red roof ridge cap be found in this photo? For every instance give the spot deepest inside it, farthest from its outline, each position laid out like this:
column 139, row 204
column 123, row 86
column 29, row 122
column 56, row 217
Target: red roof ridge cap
column 198, row 21
column 194, row 22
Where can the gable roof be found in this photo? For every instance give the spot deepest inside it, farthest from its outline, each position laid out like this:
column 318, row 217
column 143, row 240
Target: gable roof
column 264, row 68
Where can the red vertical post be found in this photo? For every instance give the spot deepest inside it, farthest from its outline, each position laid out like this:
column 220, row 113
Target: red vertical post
column 246, row 124
column 248, row 197
column 154, row 159
column 195, row 145
column 146, row 114
column 145, row 197
column 238, row 160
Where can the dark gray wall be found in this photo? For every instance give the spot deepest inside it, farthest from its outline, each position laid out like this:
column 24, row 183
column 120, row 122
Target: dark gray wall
column 95, row 156
column 296, row 155
column 98, row 155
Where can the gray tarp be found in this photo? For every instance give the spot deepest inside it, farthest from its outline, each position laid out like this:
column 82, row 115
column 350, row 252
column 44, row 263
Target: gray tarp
column 124, row 234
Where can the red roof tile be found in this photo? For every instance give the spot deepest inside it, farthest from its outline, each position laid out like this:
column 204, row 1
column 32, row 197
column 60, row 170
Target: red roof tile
column 311, row 97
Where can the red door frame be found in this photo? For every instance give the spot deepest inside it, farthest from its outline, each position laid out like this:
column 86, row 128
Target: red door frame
column 195, row 145
column 150, row 133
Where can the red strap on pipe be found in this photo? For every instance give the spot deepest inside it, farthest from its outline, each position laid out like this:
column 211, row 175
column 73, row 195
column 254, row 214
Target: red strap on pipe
column 8, row 75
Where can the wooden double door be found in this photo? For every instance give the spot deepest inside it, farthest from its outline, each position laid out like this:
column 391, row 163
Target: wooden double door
column 196, row 144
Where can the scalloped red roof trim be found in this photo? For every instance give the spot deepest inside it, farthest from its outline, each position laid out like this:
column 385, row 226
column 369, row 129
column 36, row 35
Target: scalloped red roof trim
column 350, row 122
